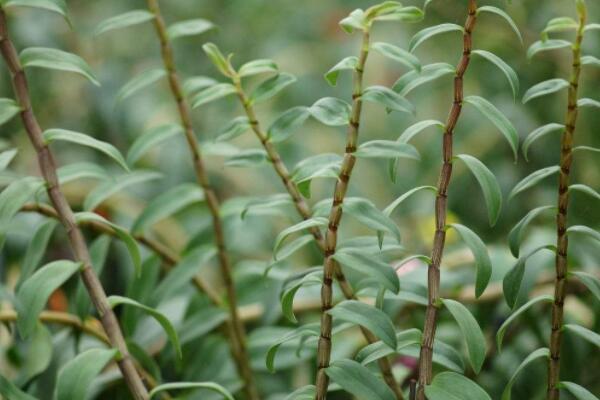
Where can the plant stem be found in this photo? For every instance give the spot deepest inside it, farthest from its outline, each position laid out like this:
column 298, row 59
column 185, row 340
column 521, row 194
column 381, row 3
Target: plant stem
column 47, row 167
column 305, row 213
column 562, row 243
column 236, row 328
column 441, row 206
column 335, row 216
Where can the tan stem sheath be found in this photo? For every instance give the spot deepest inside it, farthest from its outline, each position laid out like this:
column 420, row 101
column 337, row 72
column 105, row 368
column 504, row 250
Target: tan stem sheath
column 79, row 247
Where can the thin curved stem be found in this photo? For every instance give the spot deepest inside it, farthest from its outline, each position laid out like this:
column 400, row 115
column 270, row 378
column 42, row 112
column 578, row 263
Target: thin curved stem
column 441, row 206
column 47, row 167
column 562, row 241
column 237, row 332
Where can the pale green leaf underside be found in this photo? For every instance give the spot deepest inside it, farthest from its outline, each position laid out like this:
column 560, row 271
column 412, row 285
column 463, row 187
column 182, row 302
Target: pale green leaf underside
column 76, row 376
column 130, row 18
column 48, row 58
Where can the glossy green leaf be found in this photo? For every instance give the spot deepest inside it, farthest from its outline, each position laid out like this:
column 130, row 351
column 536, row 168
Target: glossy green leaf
column 368, row 214
column 35, row 291
column 585, row 231
column 325, row 165
column 393, row 205
column 413, row 79
column 539, row 353
column 48, row 58
column 449, row 385
column 166, row 204
column 497, row 11
column 532, row 179
column 304, row 393
column 331, row 111
column 429, row 32
column 8, row 109
column 81, row 170
column 151, row 138
column 301, row 226
column 511, row 75
column 140, row 82
column 213, row 93
column 544, row 88
column 483, row 262
column 36, row 249
column 287, row 124
column 53, row 135
column 370, row 266
column 57, row 6
column 309, row 330
column 515, row 236
column 218, row 59
column 130, row 18
column 348, row 63
column 312, row 276
column 538, row 133
column 579, row 392
column 358, row 380
column 191, row 385
column 387, row 149
column 546, row 45
column 388, row 98
column 11, row 391
column 271, row 87
column 584, row 333
column 515, row 315
column 397, row 54
column 590, row 281
column 498, row 119
column 489, row 186
column 76, row 376
column 159, row 317
column 470, row 331
column 190, row 27
column 109, row 188
column 256, row 67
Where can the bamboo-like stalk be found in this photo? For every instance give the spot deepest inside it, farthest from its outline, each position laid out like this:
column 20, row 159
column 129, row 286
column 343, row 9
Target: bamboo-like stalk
column 305, row 213
column 335, row 216
column 47, row 167
column 236, row 328
column 441, row 206
column 562, row 241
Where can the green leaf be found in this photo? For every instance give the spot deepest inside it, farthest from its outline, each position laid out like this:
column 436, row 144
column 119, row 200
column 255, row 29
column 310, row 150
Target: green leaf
column 140, row 82
column 271, row 87
column 302, row 332
column 114, row 301
column 377, row 350
column 167, row 204
column 35, row 291
column 190, row 27
column 544, row 88
column 195, row 84
column 538, row 133
column 370, row 266
column 414, row 79
column 586, row 148
column 218, row 59
column 590, row 281
column 192, row 385
column 503, row 14
column 81, row 170
column 584, row 230
column 292, row 247
column 471, row 332
column 397, row 54
column 42, row 57
column 366, row 213
column 130, row 18
column 489, row 186
column 57, row 6
column 122, row 233
column 585, row 190
column 539, row 353
column 76, row 376
column 356, row 20
column 388, row 98
column 36, row 249
column 304, row 393
column 511, row 75
column 387, row 149
column 483, row 262
column 418, row 127
column 515, row 236
column 590, row 60
column 256, row 67
column 394, row 204
column 331, row 111
column 213, row 93
column 233, row 129
column 546, row 45
column 429, row 32
column 358, row 380
column 348, row 63
column 452, row 386
column 325, row 165
column 39, row 354
column 13, row 197
column 52, row 135
column 498, row 119
column 98, row 254
column 301, row 226
column 313, row 276
column 559, row 24
column 109, row 188
column 579, row 392
column 151, row 138
column 514, row 277
column 265, row 205
column 515, row 314
column 590, row 27
column 8, row 109
column 585, row 102
column 247, row 158
column 584, row 333
column 287, row 123
column 12, row 392
column 532, row 179
column 6, row 157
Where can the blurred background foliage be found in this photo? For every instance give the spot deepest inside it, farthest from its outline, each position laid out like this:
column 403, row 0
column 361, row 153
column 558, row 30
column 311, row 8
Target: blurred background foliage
column 304, row 39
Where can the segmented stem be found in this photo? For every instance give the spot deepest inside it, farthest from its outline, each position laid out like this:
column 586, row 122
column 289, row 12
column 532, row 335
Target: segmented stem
column 79, row 247
column 441, row 206
column 236, row 327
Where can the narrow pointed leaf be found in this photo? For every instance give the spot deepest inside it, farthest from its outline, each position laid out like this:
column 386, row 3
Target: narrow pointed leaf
column 515, row 236
column 13, row 197
column 590, row 60
column 483, row 262
column 417, row 128
column 546, row 45
column 377, row 350
column 428, row 33
column 57, row 6
column 287, row 124
column 195, row 84
column 348, row 63
column 413, row 79
column 215, row 387
column 532, row 179
column 302, row 332
column 331, row 111
column 579, row 392
column 247, row 158
column 388, row 98
column 6, row 157
column 538, row 133
column 452, row 386
column 271, row 87
column 310, row 278
column 390, row 209
column 358, row 380
column 515, row 315
column 140, row 82
column 584, row 230
column 48, row 58
column 586, row 102
column 356, row 20
column 218, row 59
column 213, row 93
column 8, row 109
column 543, row 88
column 387, row 149
column 109, row 188
column 511, row 75
column 36, row 249
column 10, row 391
column 256, row 67
column 368, row 214
column 190, row 27
column 585, row 190
column 501, row 13
column 151, row 138
column 397, row 54
column 301, row 226
column 75, row 377
column 584, row 333
column 590, row 281
column 325, row 165
column 382, row 272
column 81, row 170
column 233, row 129
column 560, row 24
column 130, row 18
column 539, row 353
